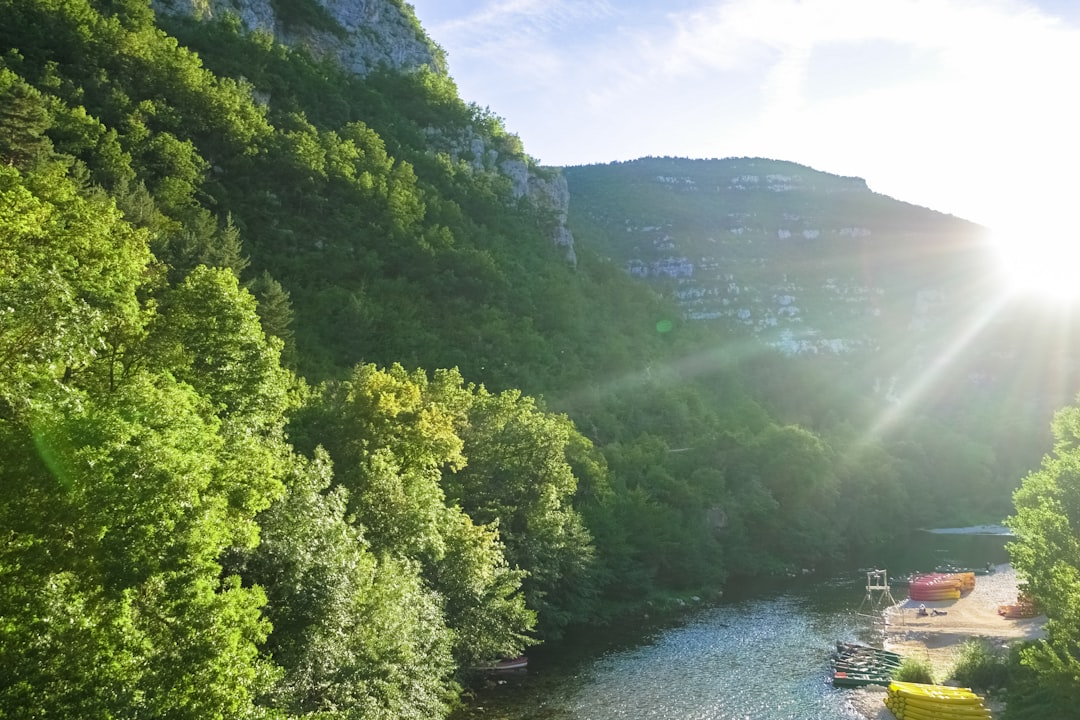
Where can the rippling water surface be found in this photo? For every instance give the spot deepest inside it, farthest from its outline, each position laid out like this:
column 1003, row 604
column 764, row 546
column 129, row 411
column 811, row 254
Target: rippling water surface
column 756, row 659
column 761, row 657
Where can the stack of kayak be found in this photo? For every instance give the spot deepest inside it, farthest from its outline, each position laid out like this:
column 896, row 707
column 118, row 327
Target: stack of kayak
column 915, row 701
column 855, row 665
column 941, row 586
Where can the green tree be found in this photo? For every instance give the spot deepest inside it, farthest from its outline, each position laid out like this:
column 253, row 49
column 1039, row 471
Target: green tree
column 518, row 475
column 1046, row 553
column 357, row 636
column 275, row 313
column 392, row 433
column 393, row 440
column 113, row 600
column 208, row 333
column 214, row 325
column 481, row 594
column 24, row 118
column 795, row 466
column 69, row 270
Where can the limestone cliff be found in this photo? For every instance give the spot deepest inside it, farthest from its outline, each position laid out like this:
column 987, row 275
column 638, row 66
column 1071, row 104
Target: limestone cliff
column 552, row 191
column 544, row 187
column 361, row 34
column 810, row 263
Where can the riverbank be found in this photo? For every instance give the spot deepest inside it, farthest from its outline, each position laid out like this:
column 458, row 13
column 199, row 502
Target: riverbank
column 937, row 639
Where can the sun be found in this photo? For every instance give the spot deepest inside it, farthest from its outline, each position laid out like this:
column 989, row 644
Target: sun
column 1040, row 262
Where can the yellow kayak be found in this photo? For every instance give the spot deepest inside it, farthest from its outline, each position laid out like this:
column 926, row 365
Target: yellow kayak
column 971, row 712
column 919, row 701
column 933, row 691
column 912, row 714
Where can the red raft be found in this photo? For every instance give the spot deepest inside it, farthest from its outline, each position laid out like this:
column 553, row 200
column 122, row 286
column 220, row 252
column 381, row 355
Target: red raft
column 941, row 586
column 1024, row 607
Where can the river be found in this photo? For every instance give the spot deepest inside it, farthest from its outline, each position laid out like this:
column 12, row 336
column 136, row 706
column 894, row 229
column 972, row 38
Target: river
column 760, row 654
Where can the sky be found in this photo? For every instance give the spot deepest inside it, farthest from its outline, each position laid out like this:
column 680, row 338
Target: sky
column 967, row 107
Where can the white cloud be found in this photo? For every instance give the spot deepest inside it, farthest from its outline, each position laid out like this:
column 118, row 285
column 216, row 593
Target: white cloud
column 507, row 22
column 993, row 101
column 954, row 104
column 515, row 43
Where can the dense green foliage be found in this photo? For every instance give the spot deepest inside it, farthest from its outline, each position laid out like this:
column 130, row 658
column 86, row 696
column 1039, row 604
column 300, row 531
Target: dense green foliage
column 302, row 412
column 122, row 485
column 981, row 665
column 914, row 670
column 1046, row 553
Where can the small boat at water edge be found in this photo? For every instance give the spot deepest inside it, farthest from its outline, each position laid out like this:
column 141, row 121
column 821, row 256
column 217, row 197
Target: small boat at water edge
column 865, row 660
column 846, row 679
column 850, row 648
column 856, row 665
column 988, row 570
column 506, row 665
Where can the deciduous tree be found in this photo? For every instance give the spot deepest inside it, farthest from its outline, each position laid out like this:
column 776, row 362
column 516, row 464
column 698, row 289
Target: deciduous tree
column 1046, row 553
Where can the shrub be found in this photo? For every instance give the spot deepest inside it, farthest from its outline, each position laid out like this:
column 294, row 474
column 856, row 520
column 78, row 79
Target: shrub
column 981, row 665
column 912, row 670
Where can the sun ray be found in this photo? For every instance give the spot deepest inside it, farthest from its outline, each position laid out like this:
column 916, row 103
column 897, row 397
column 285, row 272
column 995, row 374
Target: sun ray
column 914, row 394
column 1039, row 256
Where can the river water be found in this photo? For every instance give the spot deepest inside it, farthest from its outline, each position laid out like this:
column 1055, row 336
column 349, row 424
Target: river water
column 760, row 654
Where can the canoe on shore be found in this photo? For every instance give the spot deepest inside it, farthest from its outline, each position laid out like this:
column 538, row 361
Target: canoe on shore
column 856, row 665
column 849, row 648
column 846, row 679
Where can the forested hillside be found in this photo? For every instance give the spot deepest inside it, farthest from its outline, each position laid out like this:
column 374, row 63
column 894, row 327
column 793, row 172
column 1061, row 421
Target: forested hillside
column 866, row 303
column 304, row 413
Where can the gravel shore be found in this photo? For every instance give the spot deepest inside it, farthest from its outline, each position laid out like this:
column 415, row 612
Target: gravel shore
column 937, row 638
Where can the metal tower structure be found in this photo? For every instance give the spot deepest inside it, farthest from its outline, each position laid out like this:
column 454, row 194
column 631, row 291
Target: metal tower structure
column 878, row 596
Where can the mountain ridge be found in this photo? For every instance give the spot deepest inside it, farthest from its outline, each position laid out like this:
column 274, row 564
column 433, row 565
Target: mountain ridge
column 742, row 240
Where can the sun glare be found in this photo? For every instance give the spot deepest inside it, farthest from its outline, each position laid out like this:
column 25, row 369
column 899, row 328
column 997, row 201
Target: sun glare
column 1042, row 264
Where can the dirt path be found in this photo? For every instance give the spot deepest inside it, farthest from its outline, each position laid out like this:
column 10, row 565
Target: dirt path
column 937, row 638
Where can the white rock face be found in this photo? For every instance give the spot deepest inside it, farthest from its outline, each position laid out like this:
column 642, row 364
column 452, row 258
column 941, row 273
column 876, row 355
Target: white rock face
column 552, row 192
column 370, row 33
column 518, row 172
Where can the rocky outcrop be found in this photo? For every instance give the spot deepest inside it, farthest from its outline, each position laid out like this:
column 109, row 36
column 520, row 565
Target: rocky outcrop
column 362, row 34
column 544, row 187
column 547, row 189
